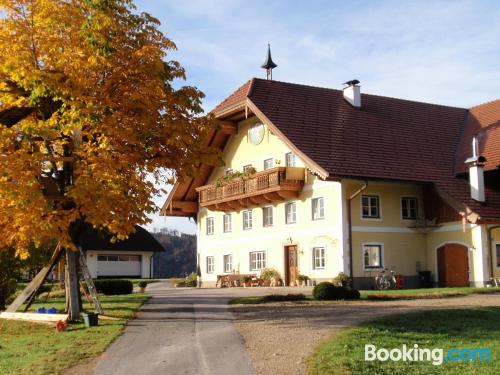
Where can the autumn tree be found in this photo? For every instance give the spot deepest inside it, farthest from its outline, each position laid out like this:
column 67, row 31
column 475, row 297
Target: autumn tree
column 89, row 107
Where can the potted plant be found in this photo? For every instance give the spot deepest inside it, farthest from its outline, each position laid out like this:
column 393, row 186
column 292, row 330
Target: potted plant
column 341, row 279
column 246, row 280
column 142, row 286
column 270, row 276
column 303, row 280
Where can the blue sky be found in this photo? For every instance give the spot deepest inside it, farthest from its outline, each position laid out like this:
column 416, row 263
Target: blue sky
column 444, row 52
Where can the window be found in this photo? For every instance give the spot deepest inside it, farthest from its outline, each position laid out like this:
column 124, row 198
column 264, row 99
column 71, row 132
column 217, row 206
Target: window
column 318, row 258
column 210, row 264
column 247, row 219
column 228, row 263
column 267, row 216
column 268, row 163
column 409, row 208
column 210, row 225
column 370, row 207
column 257, row 260
column 372, row 256
column 118, row 258
column 228, row 224
column 318, row 208
column 498, row 255
column 291, row 160
column 248, row 168
column 228, row 171
column 291, row 213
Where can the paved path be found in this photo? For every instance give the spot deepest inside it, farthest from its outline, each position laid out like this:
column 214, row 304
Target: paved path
column 182, row 331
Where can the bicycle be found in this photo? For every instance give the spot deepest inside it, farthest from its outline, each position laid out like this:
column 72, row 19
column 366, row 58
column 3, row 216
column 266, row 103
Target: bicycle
column 384, row 281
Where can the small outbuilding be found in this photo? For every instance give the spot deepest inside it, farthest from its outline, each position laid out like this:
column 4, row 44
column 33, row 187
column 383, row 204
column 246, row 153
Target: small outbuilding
column 132, row 257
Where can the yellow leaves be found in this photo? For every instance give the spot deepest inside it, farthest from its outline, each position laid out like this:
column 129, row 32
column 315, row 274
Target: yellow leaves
column 97, row 75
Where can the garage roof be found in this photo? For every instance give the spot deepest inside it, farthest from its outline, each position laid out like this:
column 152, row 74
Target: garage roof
column 141, row 240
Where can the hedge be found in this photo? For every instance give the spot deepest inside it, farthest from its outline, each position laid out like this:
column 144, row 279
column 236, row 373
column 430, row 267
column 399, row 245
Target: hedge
column 113, row 286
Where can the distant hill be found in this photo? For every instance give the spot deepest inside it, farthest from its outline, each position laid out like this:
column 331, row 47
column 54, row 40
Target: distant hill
column 179, row 257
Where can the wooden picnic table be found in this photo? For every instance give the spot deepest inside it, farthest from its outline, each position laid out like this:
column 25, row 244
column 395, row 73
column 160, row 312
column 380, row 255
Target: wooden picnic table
column 234, row 280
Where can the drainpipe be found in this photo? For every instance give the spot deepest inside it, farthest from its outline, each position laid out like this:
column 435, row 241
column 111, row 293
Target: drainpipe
column 349, row 224
column 490, row 246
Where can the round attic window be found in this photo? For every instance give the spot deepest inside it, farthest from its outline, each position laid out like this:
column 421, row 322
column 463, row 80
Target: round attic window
column 256, row 133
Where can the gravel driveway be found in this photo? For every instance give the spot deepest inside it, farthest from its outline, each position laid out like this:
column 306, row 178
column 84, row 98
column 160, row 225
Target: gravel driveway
column 280, row 337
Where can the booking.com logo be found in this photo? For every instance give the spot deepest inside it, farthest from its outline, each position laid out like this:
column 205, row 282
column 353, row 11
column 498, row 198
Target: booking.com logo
column 416, row 354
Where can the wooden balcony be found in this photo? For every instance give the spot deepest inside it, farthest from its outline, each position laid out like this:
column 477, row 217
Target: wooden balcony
column 269, row 186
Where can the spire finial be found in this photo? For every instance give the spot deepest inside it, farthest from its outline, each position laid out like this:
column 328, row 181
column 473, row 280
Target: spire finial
column 269, row 64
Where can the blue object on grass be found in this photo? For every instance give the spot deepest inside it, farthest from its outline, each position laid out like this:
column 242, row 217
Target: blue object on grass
column 41, row 310
column 52, row 310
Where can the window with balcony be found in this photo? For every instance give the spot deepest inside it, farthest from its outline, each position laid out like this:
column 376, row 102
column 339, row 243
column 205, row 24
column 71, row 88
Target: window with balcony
column 267, row 216
column 318, row 209
column 210, row 226
column 318, row 258
column 291, row 213
column 228, row 263
column 268, row 163
column 409, row 208
column 370, row 206
column 257, row 260
column 291, row 159
column 228, row 225
column 247, row 219
column 210, row 264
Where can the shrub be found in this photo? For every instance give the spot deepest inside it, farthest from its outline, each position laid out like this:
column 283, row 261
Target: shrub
column 142, row 284
column 328, row 291
column 303, row 277
column 324, row 291
column 282, row 297
column 189, row 281
column 114, row 286
column 9, row 272
column 269, row 273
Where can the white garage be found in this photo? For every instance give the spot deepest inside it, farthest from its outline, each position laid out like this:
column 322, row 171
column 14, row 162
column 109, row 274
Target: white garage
column 128, row 258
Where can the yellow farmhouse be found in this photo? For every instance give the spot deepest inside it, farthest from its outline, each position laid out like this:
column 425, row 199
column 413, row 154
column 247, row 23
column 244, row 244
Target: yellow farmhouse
column 319, row 181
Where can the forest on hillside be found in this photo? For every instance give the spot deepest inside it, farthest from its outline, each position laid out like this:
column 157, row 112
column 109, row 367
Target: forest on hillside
column 179, row 257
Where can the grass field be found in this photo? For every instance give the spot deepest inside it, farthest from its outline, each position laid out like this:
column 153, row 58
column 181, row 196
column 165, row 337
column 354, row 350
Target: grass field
column 383, row 295
column 459, row 328
column 30, row 348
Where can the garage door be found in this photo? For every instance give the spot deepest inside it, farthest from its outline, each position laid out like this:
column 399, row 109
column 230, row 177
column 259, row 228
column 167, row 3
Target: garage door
column 118, row 265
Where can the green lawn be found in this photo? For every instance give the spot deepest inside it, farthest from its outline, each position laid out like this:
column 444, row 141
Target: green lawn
column 30, row 348
column 460, row 328
column 383, row 295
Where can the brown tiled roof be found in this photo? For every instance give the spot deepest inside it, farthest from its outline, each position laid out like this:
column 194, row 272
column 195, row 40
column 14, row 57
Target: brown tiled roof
column 387, row 138
column 235, row 98
column 484, row 122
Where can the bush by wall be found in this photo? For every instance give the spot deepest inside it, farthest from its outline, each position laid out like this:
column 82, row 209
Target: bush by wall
column 328, row 291
column 113, row 286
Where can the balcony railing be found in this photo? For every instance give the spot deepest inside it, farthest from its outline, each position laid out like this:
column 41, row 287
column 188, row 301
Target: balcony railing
column 267, row 186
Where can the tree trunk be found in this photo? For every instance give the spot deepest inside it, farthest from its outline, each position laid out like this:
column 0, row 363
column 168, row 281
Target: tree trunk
column 72, row 286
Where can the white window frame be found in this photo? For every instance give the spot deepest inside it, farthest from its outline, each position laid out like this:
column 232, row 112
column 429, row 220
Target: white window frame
column 379, row 210
column 321, row 213
column 260, row 261
column 408, row 199
column 319, row 258
column 227, row 223
column 381, row 255
column 268, row 160
column 293, row 214
column 266, row 224
column 290, row 159
column 210, row 226
column 227, row 261
column 247, row 219
column 210, row 264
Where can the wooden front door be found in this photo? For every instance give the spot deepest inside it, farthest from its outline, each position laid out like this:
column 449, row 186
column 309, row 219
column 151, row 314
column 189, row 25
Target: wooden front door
column 453, row 265
column 291, row 264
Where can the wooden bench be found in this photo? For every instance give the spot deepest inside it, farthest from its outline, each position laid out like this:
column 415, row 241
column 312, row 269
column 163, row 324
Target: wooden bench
column 234, row 280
